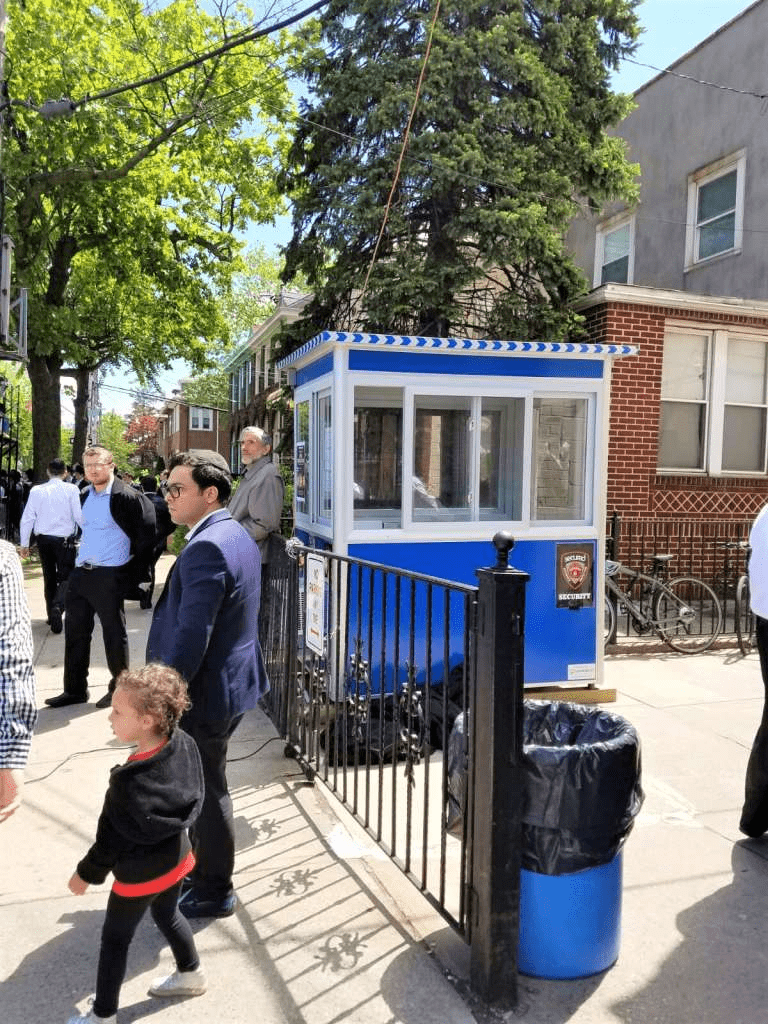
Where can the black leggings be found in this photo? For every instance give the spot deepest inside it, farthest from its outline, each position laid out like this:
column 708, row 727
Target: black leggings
column 120, row 924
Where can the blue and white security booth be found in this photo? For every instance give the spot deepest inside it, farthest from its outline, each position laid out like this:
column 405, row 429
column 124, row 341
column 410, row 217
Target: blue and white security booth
column 413, row 452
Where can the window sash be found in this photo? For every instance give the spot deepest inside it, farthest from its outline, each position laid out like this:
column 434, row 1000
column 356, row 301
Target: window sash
column 714, row 411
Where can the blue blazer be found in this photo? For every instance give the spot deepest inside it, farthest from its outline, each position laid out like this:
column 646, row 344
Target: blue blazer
column 205, row 624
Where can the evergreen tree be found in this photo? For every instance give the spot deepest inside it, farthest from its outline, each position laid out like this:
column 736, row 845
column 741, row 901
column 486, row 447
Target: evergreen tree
column 507, row 139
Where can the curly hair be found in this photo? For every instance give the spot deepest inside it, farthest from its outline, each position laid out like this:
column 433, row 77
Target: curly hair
column 158, row 691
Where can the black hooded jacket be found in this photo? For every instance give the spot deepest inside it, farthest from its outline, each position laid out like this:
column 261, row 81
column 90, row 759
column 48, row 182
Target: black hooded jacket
column 150, row 804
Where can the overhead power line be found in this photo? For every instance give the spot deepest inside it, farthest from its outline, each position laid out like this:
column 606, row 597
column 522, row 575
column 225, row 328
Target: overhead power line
column 698, row 81
column 61, row 107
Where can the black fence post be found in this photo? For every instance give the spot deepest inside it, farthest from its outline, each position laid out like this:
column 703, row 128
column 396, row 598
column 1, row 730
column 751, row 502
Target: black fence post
column 497, row 729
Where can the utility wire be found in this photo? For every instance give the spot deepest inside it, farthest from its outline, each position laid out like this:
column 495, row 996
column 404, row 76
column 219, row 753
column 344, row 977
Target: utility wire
column 239, row 40
column 406, row 136
column 698, row 81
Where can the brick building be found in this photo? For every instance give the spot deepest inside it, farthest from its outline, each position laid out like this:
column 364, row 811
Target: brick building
column 683, row 274
column 182, row 426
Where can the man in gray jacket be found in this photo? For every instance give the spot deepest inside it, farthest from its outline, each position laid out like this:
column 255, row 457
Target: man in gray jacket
column 257, row 504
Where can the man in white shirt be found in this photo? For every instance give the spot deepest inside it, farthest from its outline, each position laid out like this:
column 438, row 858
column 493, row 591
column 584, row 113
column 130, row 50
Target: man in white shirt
column 754, row 815
column 53, row 512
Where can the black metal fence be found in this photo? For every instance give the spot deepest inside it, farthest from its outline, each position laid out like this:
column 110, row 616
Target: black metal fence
column 713, row 550
column 366, row 689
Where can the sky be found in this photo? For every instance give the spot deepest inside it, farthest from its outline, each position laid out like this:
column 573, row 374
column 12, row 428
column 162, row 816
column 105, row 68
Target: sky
column 671, row 29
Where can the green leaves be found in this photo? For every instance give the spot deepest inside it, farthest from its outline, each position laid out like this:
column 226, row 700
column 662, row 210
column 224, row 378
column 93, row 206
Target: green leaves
column 125, row 214
column 508, row 136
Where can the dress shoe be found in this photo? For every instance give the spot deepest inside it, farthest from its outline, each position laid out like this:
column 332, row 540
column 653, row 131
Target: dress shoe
column 55, row 620
column 193, row 905
column 105, row 701
column 64, row 699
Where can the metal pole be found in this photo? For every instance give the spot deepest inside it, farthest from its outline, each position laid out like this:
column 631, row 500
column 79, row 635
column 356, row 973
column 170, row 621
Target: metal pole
column 496, row 755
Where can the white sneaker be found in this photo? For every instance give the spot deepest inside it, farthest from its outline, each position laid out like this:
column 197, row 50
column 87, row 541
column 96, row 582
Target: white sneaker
column 91, row 1018
column 180, row 983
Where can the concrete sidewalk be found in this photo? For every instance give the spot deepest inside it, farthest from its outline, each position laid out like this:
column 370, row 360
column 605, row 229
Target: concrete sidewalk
column 328, row 931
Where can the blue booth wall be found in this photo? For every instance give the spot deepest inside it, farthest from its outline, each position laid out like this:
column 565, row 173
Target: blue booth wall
column 555, row 638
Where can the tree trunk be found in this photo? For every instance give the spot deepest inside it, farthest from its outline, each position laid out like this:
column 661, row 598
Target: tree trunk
column 80, row 439
column 44, row 376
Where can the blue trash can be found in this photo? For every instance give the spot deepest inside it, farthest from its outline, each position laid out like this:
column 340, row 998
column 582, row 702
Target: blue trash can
column 570, row 925
column 582, row 793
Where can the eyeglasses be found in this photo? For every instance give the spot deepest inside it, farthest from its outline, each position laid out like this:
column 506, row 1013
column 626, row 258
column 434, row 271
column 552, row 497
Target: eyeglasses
column 174, row 490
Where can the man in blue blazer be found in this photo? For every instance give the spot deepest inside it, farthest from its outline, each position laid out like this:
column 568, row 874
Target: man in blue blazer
column 205, row 626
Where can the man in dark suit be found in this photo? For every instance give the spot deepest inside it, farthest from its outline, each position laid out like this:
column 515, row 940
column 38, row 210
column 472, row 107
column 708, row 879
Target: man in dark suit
column 114, row 554
column 204, row 626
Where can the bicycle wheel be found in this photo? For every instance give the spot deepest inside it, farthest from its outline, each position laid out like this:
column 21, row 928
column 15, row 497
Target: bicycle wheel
column 609, row 622
column 688, row 614
column 745, row 619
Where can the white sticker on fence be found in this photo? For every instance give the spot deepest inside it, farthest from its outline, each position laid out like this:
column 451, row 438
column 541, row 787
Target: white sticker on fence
column 315, row 621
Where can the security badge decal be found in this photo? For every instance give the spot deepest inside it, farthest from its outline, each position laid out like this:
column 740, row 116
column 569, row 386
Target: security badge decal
column 574, row 575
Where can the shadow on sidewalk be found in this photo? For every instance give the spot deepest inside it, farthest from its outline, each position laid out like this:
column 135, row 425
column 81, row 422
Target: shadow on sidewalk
column 717, row 973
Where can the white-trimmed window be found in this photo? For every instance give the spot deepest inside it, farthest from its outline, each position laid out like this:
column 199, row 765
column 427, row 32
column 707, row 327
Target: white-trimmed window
column 715, row 209
column 615, row 251
column 714, row 401
column 200, row 419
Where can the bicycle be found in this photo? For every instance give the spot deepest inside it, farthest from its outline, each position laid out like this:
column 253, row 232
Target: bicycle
column 742, row 610
column 684, row 612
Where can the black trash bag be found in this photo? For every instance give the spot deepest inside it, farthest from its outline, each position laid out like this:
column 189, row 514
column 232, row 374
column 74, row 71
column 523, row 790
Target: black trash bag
column 377, row 730
column 582, row 788
column 581, row 785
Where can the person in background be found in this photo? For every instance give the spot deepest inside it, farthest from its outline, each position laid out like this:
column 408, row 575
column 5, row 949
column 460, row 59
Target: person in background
column 142, row 836
column 53, row 514
column 78, row 476
column 754, row 815
column 115, row 550
column 164, row 527
column 257, row 504
column 18, row 704
column 204, row 626
column 15, row 497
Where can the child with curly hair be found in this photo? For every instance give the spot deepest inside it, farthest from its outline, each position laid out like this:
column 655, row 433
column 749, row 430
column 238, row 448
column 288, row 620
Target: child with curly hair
column 142, row 837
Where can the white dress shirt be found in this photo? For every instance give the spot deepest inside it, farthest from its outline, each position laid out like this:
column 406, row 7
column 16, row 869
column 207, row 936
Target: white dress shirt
column 52, row 509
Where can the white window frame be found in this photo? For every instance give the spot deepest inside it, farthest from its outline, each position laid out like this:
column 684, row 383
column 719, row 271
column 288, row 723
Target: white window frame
column 603, row 230
column 197, row 411
column 321, row 477
column 475, row 526
column 715, row 403
column 704, row 176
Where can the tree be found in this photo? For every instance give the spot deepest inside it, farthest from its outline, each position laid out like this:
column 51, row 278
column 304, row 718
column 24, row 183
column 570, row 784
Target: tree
column 21, row 399
column 124, row 214
column 253, row 293
column 141, row 434
column 507, row 139
column 112, row 435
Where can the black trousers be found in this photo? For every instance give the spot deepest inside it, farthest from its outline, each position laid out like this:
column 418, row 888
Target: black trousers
column 57, row 562
column 754, row 815
column 120, row 923
column 94, row 592
column 213, row 834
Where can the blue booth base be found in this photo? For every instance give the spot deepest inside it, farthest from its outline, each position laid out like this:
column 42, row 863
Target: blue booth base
column 570, row 924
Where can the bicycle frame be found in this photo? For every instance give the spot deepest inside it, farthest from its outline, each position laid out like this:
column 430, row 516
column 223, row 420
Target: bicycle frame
column 635, row 608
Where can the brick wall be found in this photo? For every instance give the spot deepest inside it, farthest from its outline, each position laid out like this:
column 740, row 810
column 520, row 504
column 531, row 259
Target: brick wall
column 635, row 490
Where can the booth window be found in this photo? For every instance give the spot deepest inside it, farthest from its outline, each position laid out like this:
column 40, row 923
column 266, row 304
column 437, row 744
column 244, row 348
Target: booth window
column 501, row 451
column 560, row 428
column 378, row 456
column 441, row 457
column 325, row 467
column 301, row 469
